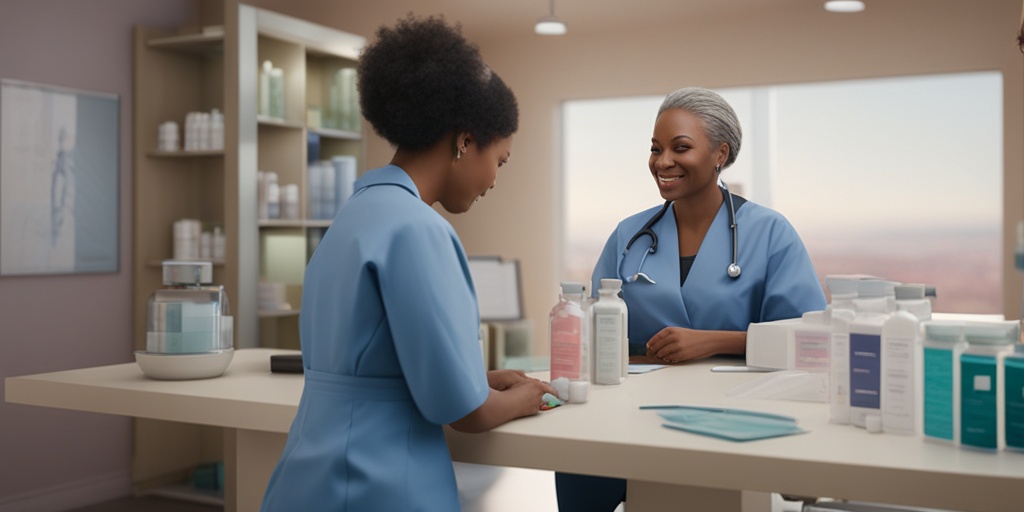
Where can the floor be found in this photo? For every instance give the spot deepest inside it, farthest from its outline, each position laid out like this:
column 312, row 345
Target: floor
column 481, row 489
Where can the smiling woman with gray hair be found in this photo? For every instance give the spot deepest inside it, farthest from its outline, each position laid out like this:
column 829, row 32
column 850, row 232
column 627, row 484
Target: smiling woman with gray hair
column 723, row 262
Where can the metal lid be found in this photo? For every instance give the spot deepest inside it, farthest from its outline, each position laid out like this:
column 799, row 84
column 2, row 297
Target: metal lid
column 185, row 272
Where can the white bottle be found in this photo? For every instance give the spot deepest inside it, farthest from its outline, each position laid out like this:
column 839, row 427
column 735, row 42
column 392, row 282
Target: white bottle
column 216, row 130
column 218, row 245
column 264, row 102
column 839, row 362
column 273, row 198
column 610, row 321
column 876, row 301
column 290, row 201
column 568, row 350
column 942, row 345
column 900, row 336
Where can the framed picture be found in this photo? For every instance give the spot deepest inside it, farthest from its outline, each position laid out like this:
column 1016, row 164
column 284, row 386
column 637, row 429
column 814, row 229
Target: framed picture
column 59, row 180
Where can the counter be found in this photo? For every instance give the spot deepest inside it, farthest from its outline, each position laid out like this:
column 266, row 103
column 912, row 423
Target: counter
column 608, row 436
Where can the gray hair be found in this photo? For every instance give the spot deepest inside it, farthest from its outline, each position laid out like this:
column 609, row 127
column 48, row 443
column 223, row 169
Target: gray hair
column 718, row 117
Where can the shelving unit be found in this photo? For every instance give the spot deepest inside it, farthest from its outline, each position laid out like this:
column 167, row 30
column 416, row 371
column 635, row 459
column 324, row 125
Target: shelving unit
column 309, row 55
column 199, row 70
column 174, row 74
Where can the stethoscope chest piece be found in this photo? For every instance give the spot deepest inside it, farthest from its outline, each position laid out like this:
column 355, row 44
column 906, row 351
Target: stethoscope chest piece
column 733, row 270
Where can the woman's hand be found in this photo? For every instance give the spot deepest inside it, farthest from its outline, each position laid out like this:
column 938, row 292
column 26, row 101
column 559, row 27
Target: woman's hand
column 504, row 379
column 678, row 344
column 523, row 397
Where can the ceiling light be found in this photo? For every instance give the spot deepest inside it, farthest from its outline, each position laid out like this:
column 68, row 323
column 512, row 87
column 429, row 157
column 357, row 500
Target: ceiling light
column 550, row 25
column 844, row 6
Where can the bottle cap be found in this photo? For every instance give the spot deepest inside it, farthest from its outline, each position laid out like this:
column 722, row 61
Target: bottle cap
column 611, row 284
column 872, row 288
column 571, row 287
column 909, row 291
column 943, row 331
column 841, row 285
column 187, row 272
column 873, row 423
column 992, row 333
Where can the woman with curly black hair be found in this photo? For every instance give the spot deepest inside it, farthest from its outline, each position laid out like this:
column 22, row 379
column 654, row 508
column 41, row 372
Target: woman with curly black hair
column 390, row 325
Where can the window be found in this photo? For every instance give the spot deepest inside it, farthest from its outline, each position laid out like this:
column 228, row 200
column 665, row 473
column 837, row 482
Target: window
column 895, row 177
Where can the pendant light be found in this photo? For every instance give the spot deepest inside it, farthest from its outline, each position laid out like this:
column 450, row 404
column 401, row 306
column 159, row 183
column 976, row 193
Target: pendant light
column 550, row 25
column 844, row 6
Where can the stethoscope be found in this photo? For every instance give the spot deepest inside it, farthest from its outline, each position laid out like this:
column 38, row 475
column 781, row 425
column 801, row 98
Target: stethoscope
column 733, row 270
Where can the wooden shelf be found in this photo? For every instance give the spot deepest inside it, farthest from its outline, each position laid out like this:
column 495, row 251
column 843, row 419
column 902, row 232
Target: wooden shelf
column 273, row 122
column 296, row 223
column 336, row 134
column 185, row 153
column 209, row 41
column 277, row 313
column 160, row 263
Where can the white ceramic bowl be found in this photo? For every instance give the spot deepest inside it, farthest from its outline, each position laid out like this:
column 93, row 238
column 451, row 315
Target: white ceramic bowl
column 165, row 366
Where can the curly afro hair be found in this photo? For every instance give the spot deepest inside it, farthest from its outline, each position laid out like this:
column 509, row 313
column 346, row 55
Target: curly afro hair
column 421, row 80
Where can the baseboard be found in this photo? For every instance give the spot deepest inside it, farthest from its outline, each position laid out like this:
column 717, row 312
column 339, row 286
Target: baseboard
column 70, row 495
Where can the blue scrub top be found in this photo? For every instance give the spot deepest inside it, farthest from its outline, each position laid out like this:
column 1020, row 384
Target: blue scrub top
column 778, row 280
column 390, row 343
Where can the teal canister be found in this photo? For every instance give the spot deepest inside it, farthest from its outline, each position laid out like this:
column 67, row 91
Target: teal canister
column 1013, row 370
column 981, row 383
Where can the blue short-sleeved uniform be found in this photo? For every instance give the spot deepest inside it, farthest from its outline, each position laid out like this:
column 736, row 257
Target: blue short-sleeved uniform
column 778, row 281
column 390, row 343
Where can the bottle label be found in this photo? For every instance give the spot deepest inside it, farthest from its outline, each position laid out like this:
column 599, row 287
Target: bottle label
column 978, row 405
column 608, row 342
column 938, row 393
column 898, row 384
column 812, row 349
column 566, row 334
column 865, row 370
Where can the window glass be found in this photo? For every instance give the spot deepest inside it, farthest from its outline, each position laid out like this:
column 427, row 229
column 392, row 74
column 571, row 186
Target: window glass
column 895, row 177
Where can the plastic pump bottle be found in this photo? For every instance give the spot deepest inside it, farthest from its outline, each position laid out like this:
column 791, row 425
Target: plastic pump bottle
column 569, row 349
column 610, row 320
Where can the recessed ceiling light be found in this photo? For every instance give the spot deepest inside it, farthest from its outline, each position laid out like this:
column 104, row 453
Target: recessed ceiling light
column 844, row 6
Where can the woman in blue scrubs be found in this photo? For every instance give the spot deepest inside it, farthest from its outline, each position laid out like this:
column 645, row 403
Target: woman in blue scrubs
column 721, row 262
column 389, row 325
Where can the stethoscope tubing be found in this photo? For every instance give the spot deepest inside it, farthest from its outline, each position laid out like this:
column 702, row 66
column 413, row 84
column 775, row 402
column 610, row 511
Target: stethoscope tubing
column 733, row 270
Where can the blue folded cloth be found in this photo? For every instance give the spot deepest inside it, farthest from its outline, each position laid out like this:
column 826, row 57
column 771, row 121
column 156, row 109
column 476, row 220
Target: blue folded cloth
column 729, row 424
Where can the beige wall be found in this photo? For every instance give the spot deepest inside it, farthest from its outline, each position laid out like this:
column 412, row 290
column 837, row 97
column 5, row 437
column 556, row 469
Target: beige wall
column 521, row 217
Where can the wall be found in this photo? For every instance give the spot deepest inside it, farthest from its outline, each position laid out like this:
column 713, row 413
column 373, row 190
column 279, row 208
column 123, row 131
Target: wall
column 794, row 43
column 521, row 217
column 51, row 459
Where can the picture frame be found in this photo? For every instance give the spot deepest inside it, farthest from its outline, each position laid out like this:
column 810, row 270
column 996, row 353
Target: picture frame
column 59, row 180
